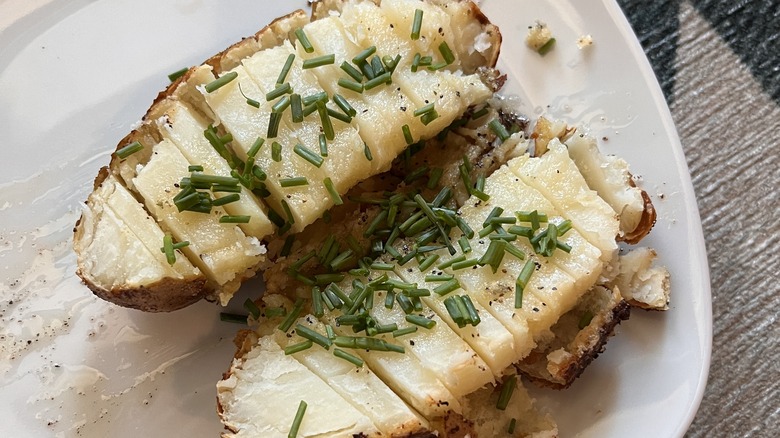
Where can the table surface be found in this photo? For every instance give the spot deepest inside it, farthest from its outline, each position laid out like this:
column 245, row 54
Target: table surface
column 719, row 66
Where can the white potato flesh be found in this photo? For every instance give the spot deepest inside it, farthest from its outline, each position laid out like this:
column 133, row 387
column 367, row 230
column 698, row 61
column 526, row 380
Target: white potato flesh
column 358, row 385
column 262, row 395
column 490, row 339
column 512, row 194
column 556, row 176
column 222, row 251
column 185, row 129
column 346, row 163
column 435, row 27
column 404, row 373
column 247, row 124
column 610, row 177
column 379, row 115
column 439, row 348
column 121, row 243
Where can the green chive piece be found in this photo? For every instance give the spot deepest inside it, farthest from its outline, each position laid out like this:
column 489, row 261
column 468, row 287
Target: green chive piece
column 494, row 254
column 522, row 281
column 288, row 212
column 464, row 264
column 279, row 91
column 292, row 316
column 512, row 424
column 327, row 125
column 446, row 53
column 449, row 262
column 313, row 336
column 296, row 348
column 249, row 100
column 377, row 81
column 344, row 105
column 129, row 150
column 472, row 311
column 286, row 69
column 288, row 243
column 167, row 248
column 352, row 71
column 276, row 152
column 417, row 24
column 367, row 152
column 216, row 188
column 423, row 110
column 585, row 320
column 281, row 105
column 415, row 62
column 199, row 177
column 374, row 224
column 308, row 155
column 428, row 212
column 195, row 168
column 481, row 113
column 428, row 262
column 434, row 176
column 433, row 278
column 421, row 321
column 438, row 66
column 464, row 244
column 361, row 57
column 255, row 147
column 506, row 393
column 232, row 317
column 546, row 47
column 220, row 82
column 296, row 107
column 293, row 182
column 177, row 74
column 319, row 61
column 339, row 115
column 350, row 85
column 407, row 134
column 307, row 47
column 446, row 287
column 404, row 331
column 358, row 362
column 233, row 197
column 334, row 194
column 275, row 118
column 499, row 129
column 238, row 219
column 427, row 118
column 252, row 308
column 296, row 424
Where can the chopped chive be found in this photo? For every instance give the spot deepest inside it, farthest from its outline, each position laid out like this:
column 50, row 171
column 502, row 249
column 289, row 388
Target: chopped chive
column 377, row 81
column 232, row 317
column 293, row 182
column 339, row 115
column 415, row 62
column 276, row 152
column 499, row 129
column 313, row 336
column 296, row 107
column 292, row 316
column 322, row 96
column 252, row 308
column 464, row 244
column 481, row 113
column 506, row 393
column 378, row 266
column 361, row 57
column 275, row 118
column 427, row 118
column 464, row 227
column 233, row 197
column 344, row 105
column 255, row 147
column 308, row 155
column 405, row 303
column 180, row 245
column 451, row 304
column 334, row 194
column 195, row 168
column 259, row 173
column 281, row 105
column 417, row 24
column 443, row 196
column 374, row 224
column 421, row 321
column 522, row 281
column 287, row 212
column 563, row 246
column 449, row 262
column 237, row 219
column 428, row 212
column 296, row 348
column 177, row 74
column 515, row 251
column 497, row 220
column 367, row 152
column 424, row 110
column 585, row 319
column 446, row 52
column 288, row 243
column 464, row 264
column 428, row 262
column 377, row 66
column 129, row 150
column 520, row 230
column 416, row 293
column 407, row 134
column 472, row 311
column 404, row 331
column 464, row 176
column 512, row 424
column 438, row 66
column 479, row 185
column 327, row 125
column 296, row 424
column 352, row 71
column 546, row 47
column 386, row 328
column 275, row 218
column 279, row 91
column 564, row 227
column 426, row 61
column 446, row 287
column 434, row 278
column 495, row 212
column 358, row 362
column 220, row 82
column 434, row 176
column 494, row 254
column 319, row 61
column 216, row 188
column 167, row 248
column 286, row 69
column 350, row 85
column 273, row 312
column 301, row 36
column 249, row 100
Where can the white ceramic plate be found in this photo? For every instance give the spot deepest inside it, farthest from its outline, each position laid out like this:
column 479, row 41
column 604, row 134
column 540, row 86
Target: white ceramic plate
column 76, row 75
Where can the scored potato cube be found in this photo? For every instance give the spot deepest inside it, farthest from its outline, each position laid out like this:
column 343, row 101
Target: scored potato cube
column 222, row 251
column 185, row 129
column 346, row 163
column 358, row 385
column 247, row 123
column 265, row 388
